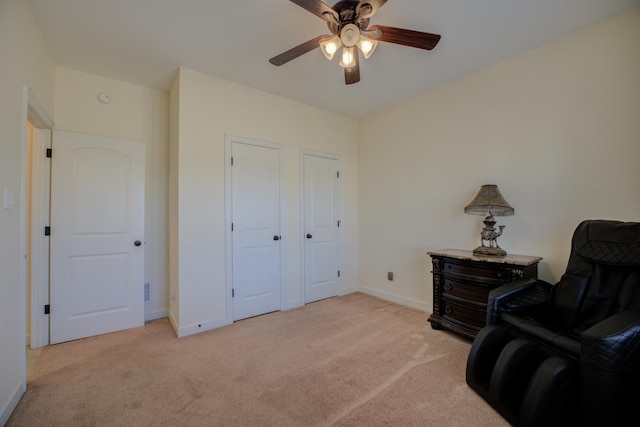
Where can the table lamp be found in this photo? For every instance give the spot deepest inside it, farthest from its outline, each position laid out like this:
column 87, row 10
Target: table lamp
column 489, row 201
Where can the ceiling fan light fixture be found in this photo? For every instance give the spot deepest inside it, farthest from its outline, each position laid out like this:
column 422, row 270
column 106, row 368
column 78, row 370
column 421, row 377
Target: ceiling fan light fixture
column 330, row 46
column 349, row 35
column 367, row 46
column 348, row 59
column 348, row 23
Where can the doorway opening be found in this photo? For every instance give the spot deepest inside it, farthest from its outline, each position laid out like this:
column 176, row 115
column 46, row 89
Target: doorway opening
column 35, row 201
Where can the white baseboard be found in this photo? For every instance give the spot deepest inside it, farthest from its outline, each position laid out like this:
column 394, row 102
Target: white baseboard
column 350, row 290
column 398, row 299
column 157, row 314
column 294, row 304
column 201, row 327
column 11, row 404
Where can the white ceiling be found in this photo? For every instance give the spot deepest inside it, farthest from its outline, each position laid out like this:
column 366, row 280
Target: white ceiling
column 145, row 41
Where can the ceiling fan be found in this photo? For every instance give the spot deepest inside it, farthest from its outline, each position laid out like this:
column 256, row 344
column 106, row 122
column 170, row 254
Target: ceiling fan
column 348, row 21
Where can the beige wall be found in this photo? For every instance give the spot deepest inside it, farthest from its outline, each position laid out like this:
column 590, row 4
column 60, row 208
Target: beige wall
column 210, row 108
column 135, row 113
column 557, row 128
column 24, row 60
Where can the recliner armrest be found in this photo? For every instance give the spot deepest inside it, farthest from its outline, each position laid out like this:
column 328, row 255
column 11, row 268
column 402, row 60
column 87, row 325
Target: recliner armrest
column 519, row 295
column 614, row 343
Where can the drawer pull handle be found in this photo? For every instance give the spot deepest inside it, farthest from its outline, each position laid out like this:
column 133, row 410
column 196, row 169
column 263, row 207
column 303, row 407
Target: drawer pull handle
column 447, row 287
column 448, row 310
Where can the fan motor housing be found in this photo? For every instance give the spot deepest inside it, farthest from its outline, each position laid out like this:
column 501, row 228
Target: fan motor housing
column 346, row 9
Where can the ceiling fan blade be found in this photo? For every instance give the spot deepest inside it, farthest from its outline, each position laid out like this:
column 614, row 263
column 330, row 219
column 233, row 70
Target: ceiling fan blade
column 374, row 5
column 404, row 37
column 319, row 8
column 352, row 75
column 299, row 50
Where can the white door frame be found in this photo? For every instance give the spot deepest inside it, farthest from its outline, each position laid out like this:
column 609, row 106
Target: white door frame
column 40, row 249
column 34, row 112
column 229, row 140
column 336, row 157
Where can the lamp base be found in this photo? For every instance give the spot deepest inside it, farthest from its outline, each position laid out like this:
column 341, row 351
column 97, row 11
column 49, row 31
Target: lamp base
column 486, row 251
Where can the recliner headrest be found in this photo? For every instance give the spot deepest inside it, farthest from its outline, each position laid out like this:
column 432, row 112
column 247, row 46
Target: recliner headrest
column 609, row 242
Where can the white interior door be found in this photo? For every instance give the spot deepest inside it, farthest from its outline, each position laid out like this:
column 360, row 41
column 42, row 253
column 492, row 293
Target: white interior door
column 321, row 227
column 97, row 235
column 256, row 237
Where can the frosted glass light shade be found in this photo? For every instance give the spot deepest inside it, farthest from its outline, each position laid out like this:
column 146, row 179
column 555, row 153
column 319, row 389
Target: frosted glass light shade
column 349, row 35
column 367, row 46
column 348, row 57
column 330, row 46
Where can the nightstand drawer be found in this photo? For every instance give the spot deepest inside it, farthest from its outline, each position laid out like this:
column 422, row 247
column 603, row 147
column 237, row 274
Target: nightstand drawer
column 502, row 274
column 468, row 291
column 468, row 316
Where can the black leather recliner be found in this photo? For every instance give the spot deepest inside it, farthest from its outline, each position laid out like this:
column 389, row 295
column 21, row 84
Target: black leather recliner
column 567, row 354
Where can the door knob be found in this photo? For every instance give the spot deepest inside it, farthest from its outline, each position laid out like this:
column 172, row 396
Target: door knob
column 309, row 236
column 277, row 237
column 137, row 243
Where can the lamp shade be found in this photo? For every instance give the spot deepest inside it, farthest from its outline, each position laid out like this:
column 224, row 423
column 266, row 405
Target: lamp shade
column 366, row 46
column 348, row 57
column 329, row 46
column 489, row 199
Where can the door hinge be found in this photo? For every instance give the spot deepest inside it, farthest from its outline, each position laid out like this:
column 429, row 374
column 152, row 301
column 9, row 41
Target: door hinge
column 231, row 226
column 47, row 231
column 49, row 152
column 231, row 160
column 339, row 222
column 338, row 174
column 47, row 309
column 233, row 293
column 338, row 273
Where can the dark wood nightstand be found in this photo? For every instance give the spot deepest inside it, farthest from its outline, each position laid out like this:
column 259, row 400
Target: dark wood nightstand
column 462, row 282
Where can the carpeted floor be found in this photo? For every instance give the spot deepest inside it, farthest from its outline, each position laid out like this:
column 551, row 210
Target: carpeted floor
column 354, row 360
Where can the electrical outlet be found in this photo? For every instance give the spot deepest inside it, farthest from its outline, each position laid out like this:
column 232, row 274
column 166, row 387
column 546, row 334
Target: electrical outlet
column 390, row 276
column 8, row 199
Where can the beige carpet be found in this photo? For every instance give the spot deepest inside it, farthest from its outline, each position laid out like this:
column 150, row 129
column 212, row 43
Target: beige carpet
column 354, row 360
